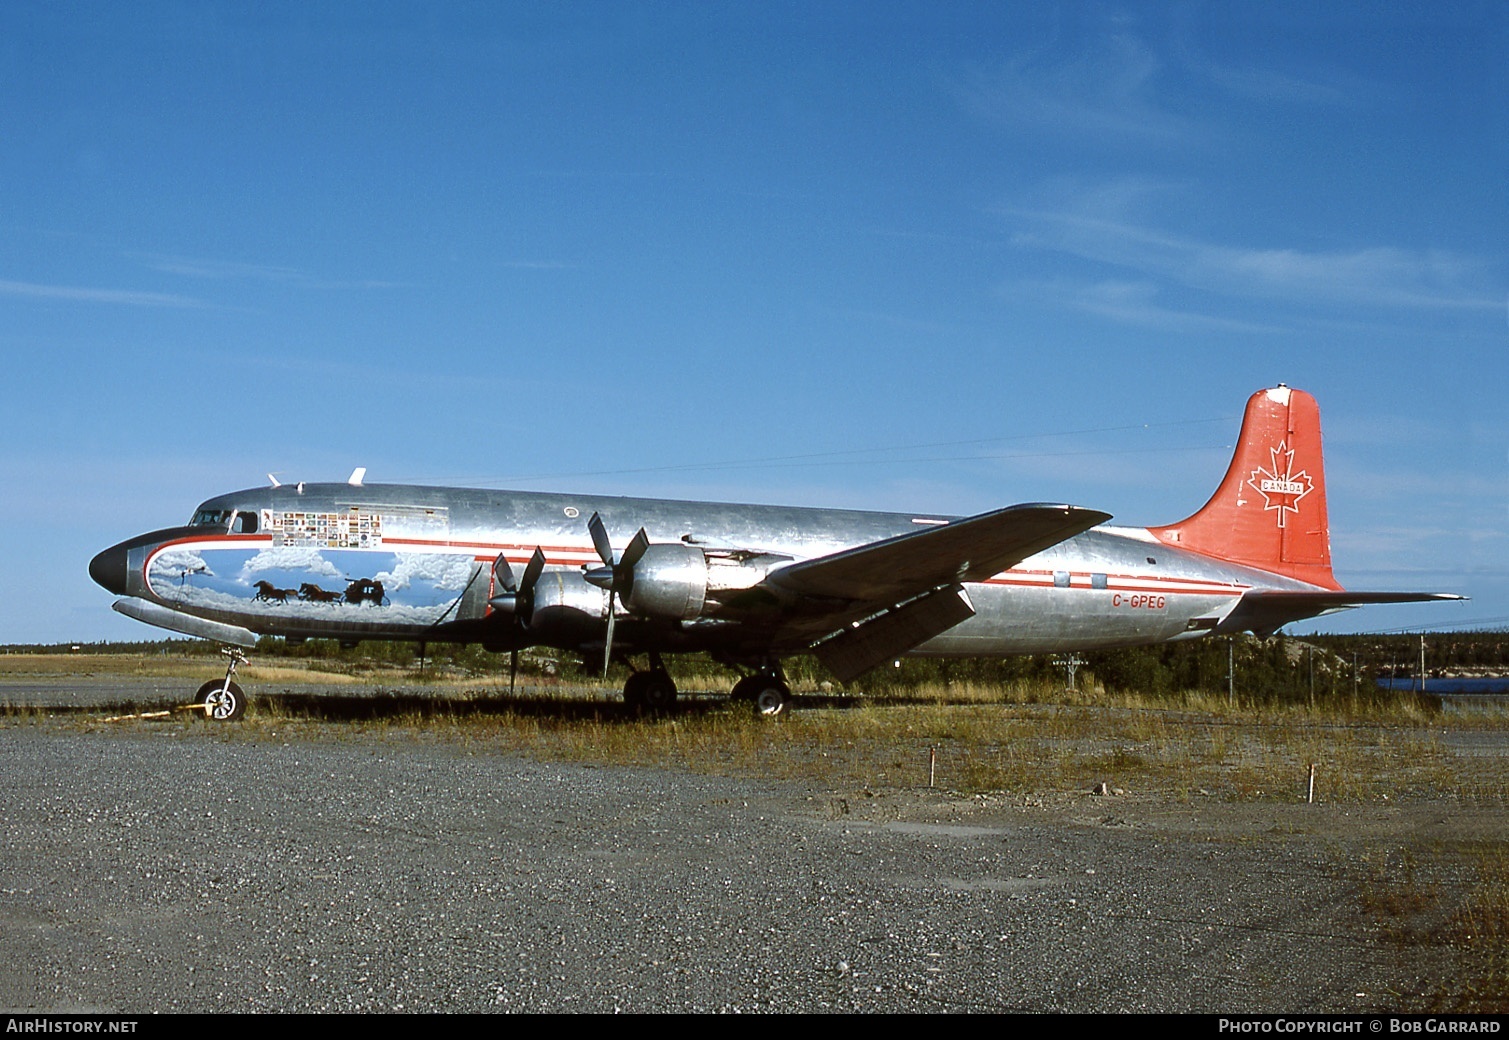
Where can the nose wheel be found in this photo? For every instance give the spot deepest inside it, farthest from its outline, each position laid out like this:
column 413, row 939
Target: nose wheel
column 222, row 699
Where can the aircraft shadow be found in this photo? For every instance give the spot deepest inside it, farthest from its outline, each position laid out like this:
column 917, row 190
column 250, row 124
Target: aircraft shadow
column 400, row 705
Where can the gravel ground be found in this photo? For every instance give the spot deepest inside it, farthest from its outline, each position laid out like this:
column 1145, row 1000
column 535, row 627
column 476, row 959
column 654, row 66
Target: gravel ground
column 172, row 867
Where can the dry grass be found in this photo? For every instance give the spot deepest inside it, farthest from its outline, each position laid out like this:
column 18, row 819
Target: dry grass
column 1022, row 738
column 155, row 666
column 1015, row 748
column 1451, row 909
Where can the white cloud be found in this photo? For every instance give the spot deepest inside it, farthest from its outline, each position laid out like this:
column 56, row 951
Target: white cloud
column 1132, row 302
column 175, row 564
column 78, row 294
column 1385, row 276
column 449, row 572
column 289, row 558
column 1109, row 89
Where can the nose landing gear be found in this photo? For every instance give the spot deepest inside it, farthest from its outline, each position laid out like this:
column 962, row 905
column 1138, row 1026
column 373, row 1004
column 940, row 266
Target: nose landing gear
column 222, row 699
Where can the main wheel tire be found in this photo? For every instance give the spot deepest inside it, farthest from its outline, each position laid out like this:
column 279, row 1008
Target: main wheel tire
column 659, row 691
column 771, row 699
column 767, row 695
column 223, row 701
column 634, row 688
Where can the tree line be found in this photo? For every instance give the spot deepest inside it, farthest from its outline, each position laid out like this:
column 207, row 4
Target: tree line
column 1283, row 668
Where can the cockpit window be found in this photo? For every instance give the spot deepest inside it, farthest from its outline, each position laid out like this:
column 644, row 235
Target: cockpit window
column 232, row 520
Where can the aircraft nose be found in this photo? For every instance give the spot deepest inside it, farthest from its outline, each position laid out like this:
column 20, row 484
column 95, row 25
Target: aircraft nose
column 108, row 569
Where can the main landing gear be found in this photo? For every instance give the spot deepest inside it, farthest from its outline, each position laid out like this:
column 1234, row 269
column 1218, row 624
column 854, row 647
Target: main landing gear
column 653, row 690
column 222, row 699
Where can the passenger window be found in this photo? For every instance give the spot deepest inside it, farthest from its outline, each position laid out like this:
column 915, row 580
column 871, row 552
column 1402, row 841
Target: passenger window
column 1097, row 581
column 1061, row 579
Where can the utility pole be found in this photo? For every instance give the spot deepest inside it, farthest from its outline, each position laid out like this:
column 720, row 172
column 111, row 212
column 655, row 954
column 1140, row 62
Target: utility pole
column 1231, row 671
column 1422, row 662
column 1070, row 664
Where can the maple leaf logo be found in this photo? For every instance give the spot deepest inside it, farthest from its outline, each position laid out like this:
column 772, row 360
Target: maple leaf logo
column 1282, row 488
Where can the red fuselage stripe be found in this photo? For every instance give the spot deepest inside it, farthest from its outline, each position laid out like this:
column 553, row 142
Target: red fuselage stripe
column 557, row 555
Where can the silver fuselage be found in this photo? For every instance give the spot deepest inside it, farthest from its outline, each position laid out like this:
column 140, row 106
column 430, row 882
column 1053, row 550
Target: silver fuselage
column 357, row 562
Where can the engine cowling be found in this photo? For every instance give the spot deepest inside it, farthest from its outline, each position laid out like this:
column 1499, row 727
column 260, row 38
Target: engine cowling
column 669, row 581
column 672, row 581
column 566, row 608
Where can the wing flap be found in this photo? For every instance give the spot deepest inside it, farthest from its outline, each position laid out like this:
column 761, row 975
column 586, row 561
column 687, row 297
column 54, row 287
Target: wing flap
column 861, row 646
column 971, row 549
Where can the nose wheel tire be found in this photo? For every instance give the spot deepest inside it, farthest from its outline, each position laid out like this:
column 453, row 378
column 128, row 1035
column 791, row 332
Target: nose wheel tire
column 223, row 701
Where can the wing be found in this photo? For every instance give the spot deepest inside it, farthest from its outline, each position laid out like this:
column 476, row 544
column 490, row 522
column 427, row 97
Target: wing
column 887, row 597
column 1265, row 611
column 971, row 549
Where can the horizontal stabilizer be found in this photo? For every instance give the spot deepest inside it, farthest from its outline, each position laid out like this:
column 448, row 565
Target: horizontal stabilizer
column 971, row 549
column 162, row 617
column 1265, row 611
column 857, row 649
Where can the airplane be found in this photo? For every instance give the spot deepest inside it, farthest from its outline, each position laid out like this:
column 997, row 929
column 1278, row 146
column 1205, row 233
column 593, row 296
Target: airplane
column 749, row 584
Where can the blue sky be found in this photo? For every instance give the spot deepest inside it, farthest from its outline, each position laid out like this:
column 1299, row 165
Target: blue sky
column 916, row 256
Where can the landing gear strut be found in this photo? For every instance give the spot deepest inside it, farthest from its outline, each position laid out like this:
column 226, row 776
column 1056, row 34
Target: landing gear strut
column 222, row 699
column 653, row 690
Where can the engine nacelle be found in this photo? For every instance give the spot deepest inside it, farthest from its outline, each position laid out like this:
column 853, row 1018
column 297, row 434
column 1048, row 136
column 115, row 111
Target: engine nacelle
column 670, row 581
column 566, row 608
column 677, row 582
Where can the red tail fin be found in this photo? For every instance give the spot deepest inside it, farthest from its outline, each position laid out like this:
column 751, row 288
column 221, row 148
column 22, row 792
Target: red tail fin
column 1270, row 510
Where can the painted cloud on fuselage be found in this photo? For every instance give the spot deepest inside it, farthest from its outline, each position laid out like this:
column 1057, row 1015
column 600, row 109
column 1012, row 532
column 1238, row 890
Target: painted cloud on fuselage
column 305, row 582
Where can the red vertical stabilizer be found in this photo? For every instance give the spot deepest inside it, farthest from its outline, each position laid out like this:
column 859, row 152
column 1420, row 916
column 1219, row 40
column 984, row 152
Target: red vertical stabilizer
column 1270, row 510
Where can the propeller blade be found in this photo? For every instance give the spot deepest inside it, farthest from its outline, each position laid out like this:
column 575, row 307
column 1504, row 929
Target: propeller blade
column 503, row 574
column 617, row 573
column 505, row 596
column 636, row 549
column 599, row 532
column 532, row 570
column 608, row 642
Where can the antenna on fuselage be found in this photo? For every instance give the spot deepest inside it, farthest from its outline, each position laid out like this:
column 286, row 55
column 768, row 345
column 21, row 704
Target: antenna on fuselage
column 357, row 476
column 274, row 480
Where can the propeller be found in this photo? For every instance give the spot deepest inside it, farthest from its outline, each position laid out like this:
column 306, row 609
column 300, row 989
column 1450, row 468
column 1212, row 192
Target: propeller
column 616, row 575
column 516, row 599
